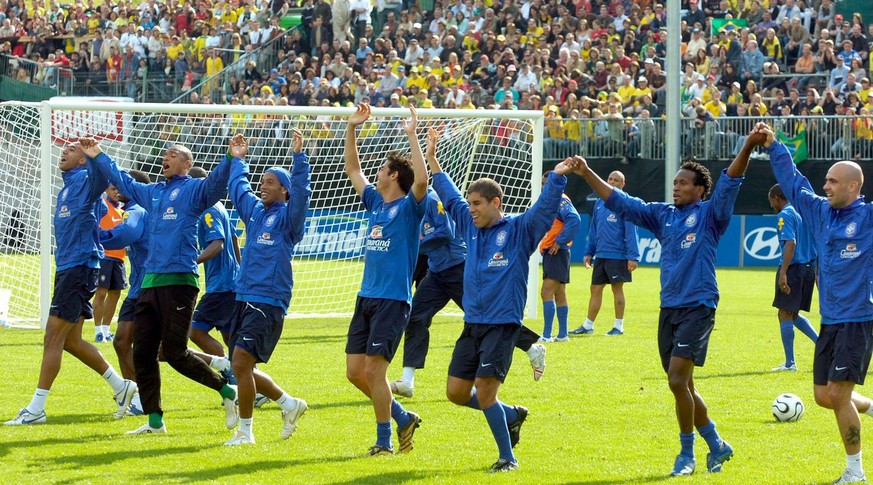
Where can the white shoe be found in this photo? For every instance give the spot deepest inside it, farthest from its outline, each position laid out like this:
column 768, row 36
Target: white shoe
column 240, row 439
column 537, row 354
column 124, row 397
column 401, row 388
column 562, row 339
column 849, row 477
column 26, row 417
column 546, row 340
column 146, row 429
column 221, row 364
column 291, row 417
column 231, row 410
column 783, row 368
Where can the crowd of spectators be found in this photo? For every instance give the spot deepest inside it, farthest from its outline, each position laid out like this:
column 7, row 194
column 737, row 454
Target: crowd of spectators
column 597, row 68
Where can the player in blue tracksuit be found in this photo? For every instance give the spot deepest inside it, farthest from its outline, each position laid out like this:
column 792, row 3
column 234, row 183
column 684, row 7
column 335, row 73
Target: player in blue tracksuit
column 274, row 224
column 170, row 283
column 132, row 234
column 795, row 278
column 689, row 230
column 613, row 245
column 395, row 205
column 495, row 292
column 445, row 252
column 840, row 224
column 555, row 249
column 216, row 238
column 77, row 261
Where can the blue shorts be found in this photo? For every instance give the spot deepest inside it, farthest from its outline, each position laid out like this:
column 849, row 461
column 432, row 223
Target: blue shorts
column 256, row 328
column 112, row 274
column 842, row 353
column 377, row 327
column 215, row 310
column 74, row 289
column 557, row 266
column 128, row 309
column 484, row 350
column 610, row 271
column 684, row 333
column 801, row 280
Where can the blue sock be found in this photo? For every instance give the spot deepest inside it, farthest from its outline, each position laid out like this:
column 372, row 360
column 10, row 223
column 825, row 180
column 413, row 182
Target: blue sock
column 687, row 442
column 509, row 411
column 563, row 313
column 497, row 422
column 802, row 324
column 787, row 329
column 474, row 401
column 548, row 318
column 401, row 417
column 710, row 435
column 383, row 434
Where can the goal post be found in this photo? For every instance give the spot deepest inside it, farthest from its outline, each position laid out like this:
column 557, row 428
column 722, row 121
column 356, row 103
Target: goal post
column 504, row 145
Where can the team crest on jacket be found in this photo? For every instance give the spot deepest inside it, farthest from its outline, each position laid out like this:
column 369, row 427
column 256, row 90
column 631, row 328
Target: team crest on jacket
column 392, row 212
column 271, row 219
column 501, row 240
column 170, row 214
column 611, row 217
column 851, row 252
column 851, row 229
column 689, row 240
column 63, row 211
column 428, row 229
column 376, row 232
column 265, row 239
column 691, row 220
column 175, row 193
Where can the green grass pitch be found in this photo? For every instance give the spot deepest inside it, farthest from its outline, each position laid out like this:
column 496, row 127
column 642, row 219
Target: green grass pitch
column 602, row 413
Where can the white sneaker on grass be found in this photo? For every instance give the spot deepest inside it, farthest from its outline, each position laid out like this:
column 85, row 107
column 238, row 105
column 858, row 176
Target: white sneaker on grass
column 26, row 417
column 401, row 388
column 124, row 397
column 291, row 417
column 240, row 439
column 231, row 410
column 147, row 429
column 537, row 355
column 849, row 477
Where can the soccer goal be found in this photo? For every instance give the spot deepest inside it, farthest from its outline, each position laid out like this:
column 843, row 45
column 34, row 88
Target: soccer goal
column 504, row 145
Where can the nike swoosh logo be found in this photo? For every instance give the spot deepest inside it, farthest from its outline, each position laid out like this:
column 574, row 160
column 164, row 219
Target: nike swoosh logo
column 29, row 421
column 155, row 200
column 682, row 345
column 668, row 224
column 116, row 219
column 474, row 238
column 840, row 368
column 376, row 344
column 247, row 339
column 488, row 364
column 180, row 308
column 614, row 276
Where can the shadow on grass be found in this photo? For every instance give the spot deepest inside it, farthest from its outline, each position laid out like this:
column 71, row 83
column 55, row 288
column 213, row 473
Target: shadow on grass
column 733, row 374
column 648, row 479
column 398, row 477
column 105, row 457
column 38, row 443
column 226, row 472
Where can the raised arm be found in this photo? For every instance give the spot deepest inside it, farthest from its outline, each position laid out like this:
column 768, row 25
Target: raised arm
column 433, row 137
column 738, row 167
column 298, row 200
column 797, row 188
column 419, row 186
column 601, row 188
column 353, row 161
column 214, row 186
column 240, row 190
column 136, row 191
column 537, row 220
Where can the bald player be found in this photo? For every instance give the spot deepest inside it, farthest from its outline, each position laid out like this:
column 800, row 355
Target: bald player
column 613, row 245
column 839, row 224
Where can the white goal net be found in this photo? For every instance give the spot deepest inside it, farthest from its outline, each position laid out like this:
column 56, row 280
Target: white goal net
column 504, row 145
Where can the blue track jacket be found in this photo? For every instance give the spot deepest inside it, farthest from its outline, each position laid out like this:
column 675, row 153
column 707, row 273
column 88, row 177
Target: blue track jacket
column 76, row 229
column 265, row 274
column 132, row 234
column 843, row 242
column 689, row 239
column 610, row 236
column 495, row 276
column 440, row 241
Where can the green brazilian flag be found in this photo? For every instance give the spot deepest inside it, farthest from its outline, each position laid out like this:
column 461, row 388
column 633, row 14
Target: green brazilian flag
column 796, row 146
column 721, row 24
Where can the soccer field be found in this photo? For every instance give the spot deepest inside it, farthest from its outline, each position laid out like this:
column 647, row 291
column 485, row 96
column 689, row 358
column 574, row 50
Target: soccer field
column 601, row 414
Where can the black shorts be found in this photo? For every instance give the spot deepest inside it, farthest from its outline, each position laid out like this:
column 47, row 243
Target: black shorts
column 112, row 275
column 256, row 328
column 684, row 332
column 74, row 289
column 801, row 280
column 377, row 327
column 484, row 350
column 128, row 307
column 842, row 353
column 557, row 266
column 610, row 271
column 215, row 310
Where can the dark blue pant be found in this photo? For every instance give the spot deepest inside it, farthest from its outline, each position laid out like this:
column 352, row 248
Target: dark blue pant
column 432, row 294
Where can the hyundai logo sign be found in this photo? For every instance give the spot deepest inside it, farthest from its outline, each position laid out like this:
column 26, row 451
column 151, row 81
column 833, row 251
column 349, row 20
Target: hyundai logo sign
column 762, row 243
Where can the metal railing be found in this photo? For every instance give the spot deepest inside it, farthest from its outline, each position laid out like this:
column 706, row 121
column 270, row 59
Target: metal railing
column 45, row 74
column 826, row 137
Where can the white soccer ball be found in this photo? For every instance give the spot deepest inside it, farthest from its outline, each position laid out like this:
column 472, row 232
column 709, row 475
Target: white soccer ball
column 787, row 408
